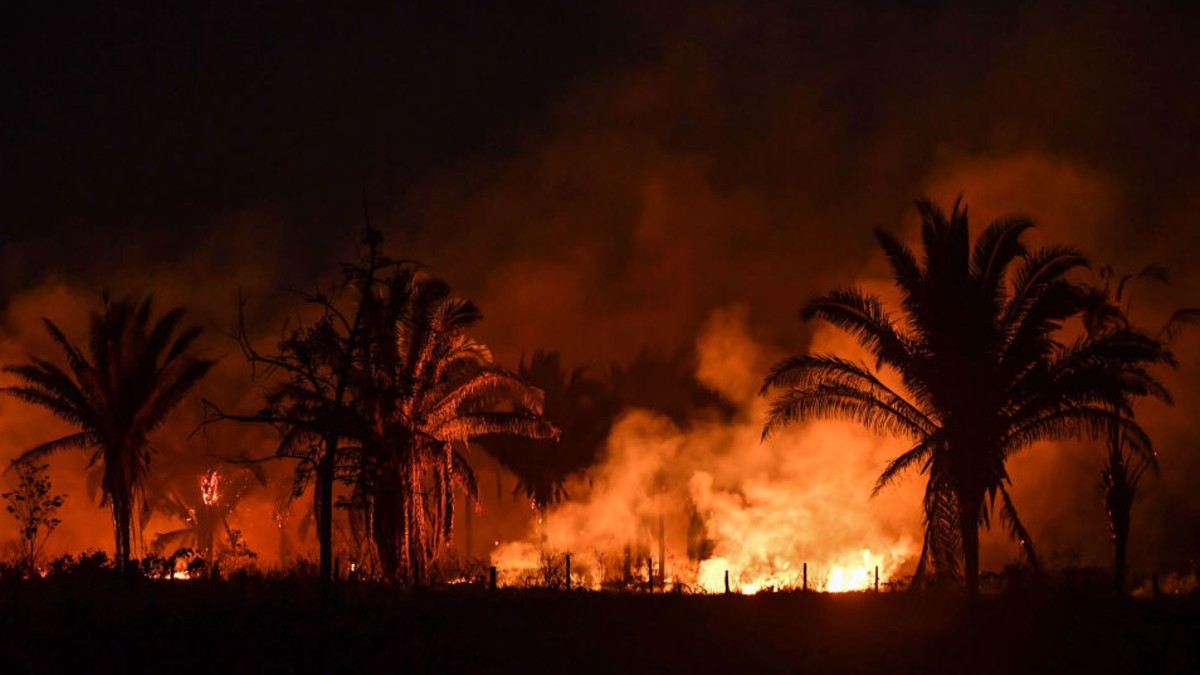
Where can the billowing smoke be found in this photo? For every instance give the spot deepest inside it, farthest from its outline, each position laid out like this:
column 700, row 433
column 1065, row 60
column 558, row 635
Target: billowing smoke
column 717, row 499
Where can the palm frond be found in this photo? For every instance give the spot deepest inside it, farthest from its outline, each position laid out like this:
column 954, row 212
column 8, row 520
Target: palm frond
column 861, row 315
column 918, row 453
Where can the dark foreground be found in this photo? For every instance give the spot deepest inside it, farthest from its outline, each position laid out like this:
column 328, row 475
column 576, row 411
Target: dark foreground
column 172, row 627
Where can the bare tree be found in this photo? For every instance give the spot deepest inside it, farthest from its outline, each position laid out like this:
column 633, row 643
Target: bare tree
column 35, row 509
column 311, row 400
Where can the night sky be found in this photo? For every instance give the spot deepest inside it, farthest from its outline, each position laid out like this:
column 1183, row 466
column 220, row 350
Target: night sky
column 601, row 176
column 138, row 126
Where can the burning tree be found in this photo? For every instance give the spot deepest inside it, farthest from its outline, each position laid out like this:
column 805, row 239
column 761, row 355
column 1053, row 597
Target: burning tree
column 378, row 392
column 982, row 373
column 1125, row 464
column 428, row 390
column 136, row 375
column 313, row 400
column 204, row 504
column 35, row 510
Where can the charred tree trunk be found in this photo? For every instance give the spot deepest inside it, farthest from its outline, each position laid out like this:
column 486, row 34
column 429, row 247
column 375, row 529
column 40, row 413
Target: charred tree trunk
column 324, row 499
column 387, row 515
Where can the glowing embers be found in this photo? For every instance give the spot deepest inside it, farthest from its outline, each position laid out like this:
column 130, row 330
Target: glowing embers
column 181, row 571
column 210, row 484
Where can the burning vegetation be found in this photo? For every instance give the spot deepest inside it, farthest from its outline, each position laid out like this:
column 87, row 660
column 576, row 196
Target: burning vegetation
column 378, row 423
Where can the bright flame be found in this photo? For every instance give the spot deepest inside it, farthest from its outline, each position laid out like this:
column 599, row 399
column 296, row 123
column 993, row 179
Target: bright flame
column 852, row 578
column 210, row 484
column 181, row 571
column 713, row 499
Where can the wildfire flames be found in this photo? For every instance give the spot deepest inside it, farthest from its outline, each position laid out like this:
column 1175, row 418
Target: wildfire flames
column 210, row 484
column 713, row 500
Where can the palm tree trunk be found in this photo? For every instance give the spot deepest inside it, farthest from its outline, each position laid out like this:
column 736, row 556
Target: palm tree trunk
column 414, row 524
column 1120, row 544
column 970, row 503
column 1118, row 497
column 386, row 530
column 1118, row 500
column 119, row 505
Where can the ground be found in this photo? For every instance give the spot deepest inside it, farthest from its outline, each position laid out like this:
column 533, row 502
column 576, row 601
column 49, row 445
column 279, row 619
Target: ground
column 281, row 626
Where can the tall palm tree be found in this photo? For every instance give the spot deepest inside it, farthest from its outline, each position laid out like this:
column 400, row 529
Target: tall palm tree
column 431, row 390
column 583, row 410
column 134, row 373
column 982, row 373
column 1107, row 310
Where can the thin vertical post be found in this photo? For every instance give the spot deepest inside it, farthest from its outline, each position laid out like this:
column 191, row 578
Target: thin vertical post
column 877, row 578
column 492, row 577
column 662, row 546
column 726, row 582
column 568, row 571
column 650, row 573
column 805, row 586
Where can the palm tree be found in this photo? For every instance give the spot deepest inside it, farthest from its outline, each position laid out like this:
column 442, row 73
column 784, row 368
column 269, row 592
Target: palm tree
column 666, row 383
column 431, row 390
column 1107, row 310
column 583, row 410
column 133, row 375
column 982, row 374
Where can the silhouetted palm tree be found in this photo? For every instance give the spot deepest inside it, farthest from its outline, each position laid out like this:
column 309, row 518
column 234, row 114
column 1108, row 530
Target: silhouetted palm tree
column 582, row 409
column 133, row 375
column 982, row 374
column 666, row 383
column 1107, row 310
column 430, row 390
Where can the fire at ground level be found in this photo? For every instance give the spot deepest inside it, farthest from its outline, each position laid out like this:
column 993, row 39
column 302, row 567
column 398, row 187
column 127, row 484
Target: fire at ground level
column 281, row 626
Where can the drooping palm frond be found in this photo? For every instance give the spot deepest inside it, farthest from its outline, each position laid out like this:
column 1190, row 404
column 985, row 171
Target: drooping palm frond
column 921, row 454
column 862, row 317
column 1016, row 529
column 878, row 413
column 1181, row 319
